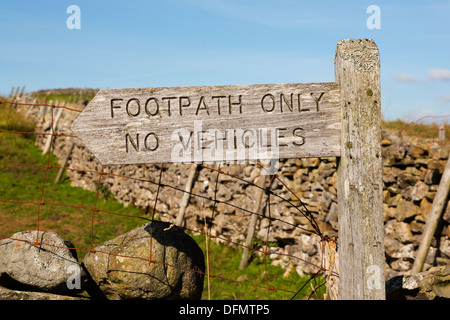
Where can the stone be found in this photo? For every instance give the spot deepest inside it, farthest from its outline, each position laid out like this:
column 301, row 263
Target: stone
column 310, row 162
column 446, row 215
column 425, row 208
column 406, row 209
column 405, row 170
column 419, row 191
column 444, row 247
column 406, row 179
column 388, row 177
column 402, row 264
column 395, row 249
column 9, row 294
column 401, row 150
column 286, row 223
column 123, row 268
column 49, row 266
column 432, row 177
column 417, row 226
column 438, row 165
column 388, row 212
column 445, row 152
column 266, row 234
column 428, row 285
column 417, row 152
column 399, row 230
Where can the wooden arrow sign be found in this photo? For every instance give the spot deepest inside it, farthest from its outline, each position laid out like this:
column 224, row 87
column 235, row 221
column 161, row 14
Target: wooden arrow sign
column 212, row 123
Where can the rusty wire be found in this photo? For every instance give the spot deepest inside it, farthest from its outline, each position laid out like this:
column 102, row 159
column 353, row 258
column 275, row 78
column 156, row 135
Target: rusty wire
column 302, row 209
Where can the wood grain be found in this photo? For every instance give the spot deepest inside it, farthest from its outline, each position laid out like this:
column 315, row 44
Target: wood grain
column 144, row 125
column 361, row 228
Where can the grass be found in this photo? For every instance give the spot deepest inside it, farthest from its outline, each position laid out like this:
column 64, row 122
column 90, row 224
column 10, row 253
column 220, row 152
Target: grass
column 66, row 212
column 85, row 229
column 72, row 223
column 61, row 97
column 35, row 184
column 10, row 120
column 422, row 130
column 227, row 282
column 30, row 181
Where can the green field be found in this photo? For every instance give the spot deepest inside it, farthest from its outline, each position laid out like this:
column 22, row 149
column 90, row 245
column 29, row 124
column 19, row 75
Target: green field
column 68, row 211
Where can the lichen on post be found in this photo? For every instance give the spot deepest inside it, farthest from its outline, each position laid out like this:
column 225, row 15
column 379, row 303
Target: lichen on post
column 361, row 231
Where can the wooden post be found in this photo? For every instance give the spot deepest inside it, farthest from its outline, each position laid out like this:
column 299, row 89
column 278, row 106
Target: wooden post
column 360, row 213
column 439, row 202
column 252, row 225
column 17, row 92
column 442, row 131
column 66, row 160
column 21, row 91
column 185, row 200
column 52, row 129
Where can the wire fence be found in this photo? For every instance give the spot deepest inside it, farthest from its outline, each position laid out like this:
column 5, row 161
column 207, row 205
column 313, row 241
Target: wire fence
column 314, row 287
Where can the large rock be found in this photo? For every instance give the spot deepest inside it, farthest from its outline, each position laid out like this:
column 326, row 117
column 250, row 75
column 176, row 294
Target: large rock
column 8, row 294
column 398, row 230
column 428, row 285
column 122, row 268
column 47, row 267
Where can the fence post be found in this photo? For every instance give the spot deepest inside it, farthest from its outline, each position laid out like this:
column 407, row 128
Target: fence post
column 442, row 131
column 253, row 221
column 185, row 200
column 53, row 127
column 360, row 213
column 64, row 163
column 439, row 202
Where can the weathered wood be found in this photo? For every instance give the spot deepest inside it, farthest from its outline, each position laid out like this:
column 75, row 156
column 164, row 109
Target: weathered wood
column 64, row 163
column 442, row 131
column 253, row 220
column 212, row 123
column 361, row 228
column 434, row 216
column 330, row 262
column 260, row 122
column 53, row 127
column 21, row 91
column 16, row 94
column 185, row 200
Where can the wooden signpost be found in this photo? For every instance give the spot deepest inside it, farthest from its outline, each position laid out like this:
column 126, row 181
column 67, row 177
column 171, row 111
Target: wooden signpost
column 211, row 123
column 360, row 171
column 265, row 122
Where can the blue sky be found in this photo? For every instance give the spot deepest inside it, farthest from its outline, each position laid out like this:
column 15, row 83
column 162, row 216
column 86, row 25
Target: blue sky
column 137, row 43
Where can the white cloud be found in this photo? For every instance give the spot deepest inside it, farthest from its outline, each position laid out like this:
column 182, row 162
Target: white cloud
column 445, row 97
column 425, row 116
column 405, row 78
column 438, row 74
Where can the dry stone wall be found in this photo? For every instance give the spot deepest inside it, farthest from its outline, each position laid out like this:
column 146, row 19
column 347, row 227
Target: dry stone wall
column 411, row 175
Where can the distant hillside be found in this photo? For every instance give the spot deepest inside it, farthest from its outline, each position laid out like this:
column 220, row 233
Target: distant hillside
column 71, row 95
column 412, row 129
column 65, row 91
